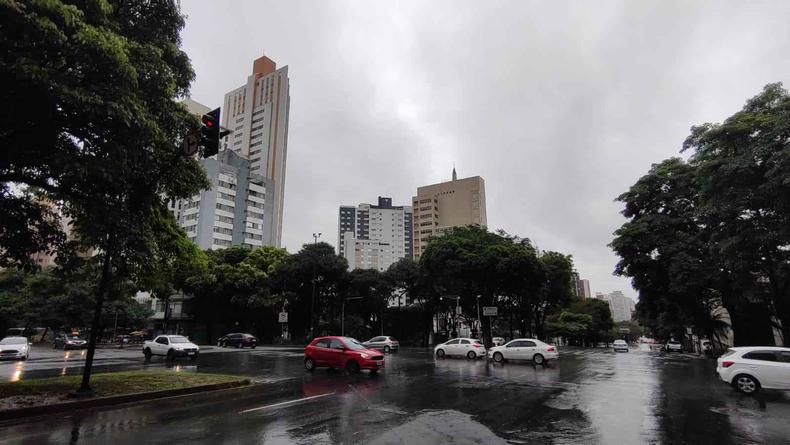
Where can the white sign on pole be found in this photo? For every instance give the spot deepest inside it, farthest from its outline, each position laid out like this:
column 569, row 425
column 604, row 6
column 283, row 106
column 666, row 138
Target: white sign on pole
column 489, row 311
column 458, row 310
column 283, row 317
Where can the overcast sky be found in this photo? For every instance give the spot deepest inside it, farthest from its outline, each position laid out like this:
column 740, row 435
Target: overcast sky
column 559, row 106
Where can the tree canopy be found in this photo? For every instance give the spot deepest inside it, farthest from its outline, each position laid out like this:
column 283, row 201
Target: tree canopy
column 714, row 231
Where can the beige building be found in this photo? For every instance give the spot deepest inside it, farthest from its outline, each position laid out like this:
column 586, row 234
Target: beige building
column 438, row 207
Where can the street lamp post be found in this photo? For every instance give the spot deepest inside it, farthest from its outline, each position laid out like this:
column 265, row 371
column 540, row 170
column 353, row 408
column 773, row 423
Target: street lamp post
column 343, row 315
column 312, row 293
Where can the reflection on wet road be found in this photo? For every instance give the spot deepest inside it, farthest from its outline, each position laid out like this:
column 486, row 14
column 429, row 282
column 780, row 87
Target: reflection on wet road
column 585, row 397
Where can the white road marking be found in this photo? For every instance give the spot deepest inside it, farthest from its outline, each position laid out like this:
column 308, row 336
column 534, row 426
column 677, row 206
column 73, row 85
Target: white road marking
column 290, row 402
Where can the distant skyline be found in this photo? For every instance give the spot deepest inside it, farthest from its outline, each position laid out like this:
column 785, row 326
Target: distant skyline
column 560, row 106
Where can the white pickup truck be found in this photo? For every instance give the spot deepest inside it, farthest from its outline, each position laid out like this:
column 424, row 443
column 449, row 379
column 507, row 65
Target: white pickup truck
column 171, row 346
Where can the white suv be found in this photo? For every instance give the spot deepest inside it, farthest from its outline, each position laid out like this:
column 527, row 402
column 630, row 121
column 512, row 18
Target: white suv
column 750, row 368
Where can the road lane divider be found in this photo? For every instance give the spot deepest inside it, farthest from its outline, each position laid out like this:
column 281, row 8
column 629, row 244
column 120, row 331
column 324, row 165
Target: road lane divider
column 289, row 402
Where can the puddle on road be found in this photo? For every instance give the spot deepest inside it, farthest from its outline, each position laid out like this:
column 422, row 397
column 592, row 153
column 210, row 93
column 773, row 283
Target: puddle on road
column 432, row 427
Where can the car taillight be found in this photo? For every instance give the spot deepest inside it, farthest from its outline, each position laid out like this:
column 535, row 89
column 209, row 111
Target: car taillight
column 727, row 364
column 478, row 345
column 550, row 349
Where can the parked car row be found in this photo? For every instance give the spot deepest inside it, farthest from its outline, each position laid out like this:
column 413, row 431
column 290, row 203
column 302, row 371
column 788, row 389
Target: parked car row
column 518, row 349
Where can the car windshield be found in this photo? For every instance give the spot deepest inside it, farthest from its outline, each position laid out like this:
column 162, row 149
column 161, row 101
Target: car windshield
column 13, row 341
column 178, row 339
column 353, row 344
column 72, row 337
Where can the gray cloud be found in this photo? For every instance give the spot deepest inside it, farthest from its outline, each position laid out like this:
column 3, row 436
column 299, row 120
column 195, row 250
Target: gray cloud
column 560, row 106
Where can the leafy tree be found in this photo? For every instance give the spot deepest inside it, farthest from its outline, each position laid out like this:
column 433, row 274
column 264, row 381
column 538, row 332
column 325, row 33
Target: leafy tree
column 556, row 291
column 414, row 321
column 311, row 283
column 713, row 231
column 464, row 262
column 92, row 121
column 744, row 182
column 234, row 286
column 601, row 319
column 374, row 290
column 574, row 327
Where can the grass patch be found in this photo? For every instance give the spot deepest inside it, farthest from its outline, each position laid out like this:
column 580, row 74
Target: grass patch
column 114, row 383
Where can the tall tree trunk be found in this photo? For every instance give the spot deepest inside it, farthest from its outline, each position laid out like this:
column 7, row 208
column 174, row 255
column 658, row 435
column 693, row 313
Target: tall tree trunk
column 104, row 283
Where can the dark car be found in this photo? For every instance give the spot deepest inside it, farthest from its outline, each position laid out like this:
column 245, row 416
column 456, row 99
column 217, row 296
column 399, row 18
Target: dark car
column 342, row 352
column 238, row 340
column 68, row 341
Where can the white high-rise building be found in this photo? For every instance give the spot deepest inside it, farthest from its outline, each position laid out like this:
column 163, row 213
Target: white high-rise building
column 622, row 307
column 374, row 236
column 257, row 114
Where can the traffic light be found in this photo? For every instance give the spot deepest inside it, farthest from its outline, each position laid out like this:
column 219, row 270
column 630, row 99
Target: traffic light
column 209, row 133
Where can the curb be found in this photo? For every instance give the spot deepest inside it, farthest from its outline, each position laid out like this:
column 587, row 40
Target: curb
column 14, row 414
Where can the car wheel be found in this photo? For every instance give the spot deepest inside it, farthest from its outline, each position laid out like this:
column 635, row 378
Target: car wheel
column 498, row 357
column 254, row 346
column 746, row 384
column 171, row 355
column 440, row 353
column 147, row 353
column 309, row 364
column 352, row 367
column 471, row 355
column 538, row 359
column 386, row 349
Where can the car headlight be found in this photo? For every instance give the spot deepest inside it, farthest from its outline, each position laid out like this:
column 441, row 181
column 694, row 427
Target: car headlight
column 363, row 355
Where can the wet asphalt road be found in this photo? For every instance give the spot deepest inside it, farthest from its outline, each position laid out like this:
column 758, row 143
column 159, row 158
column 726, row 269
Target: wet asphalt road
column 588, row 396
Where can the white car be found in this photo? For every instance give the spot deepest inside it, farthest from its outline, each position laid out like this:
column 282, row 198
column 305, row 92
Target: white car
column 469, row 347
column 620, row 345
column 524, row 349
column 673, row 346
column 171, row 346
column 498, row 341
column 14, row 348
column 750, row 368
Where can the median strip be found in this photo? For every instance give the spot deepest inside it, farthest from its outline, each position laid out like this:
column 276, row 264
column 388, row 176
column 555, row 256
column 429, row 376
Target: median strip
column 45, row 396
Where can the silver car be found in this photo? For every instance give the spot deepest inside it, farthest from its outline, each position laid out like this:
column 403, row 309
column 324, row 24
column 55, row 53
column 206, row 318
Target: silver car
column 384, row 343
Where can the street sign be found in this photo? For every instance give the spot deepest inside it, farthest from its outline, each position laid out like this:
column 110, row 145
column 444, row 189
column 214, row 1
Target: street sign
column 283, row 317
column 458, row 310
column 489, row 311
column 190, row 145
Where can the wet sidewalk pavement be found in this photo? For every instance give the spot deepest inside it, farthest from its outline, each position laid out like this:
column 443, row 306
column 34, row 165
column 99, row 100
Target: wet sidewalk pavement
column 588, row 396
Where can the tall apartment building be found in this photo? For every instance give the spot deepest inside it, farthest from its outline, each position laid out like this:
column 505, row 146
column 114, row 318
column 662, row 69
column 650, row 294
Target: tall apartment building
column 234, row 211
column 439, row 207
column 622, row 307
column 374, row 236
column 257, row 113
column 584, row 289
column 581, row 287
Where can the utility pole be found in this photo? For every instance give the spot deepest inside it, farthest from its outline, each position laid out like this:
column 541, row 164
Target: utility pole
column 312, row 297
column 479, row 321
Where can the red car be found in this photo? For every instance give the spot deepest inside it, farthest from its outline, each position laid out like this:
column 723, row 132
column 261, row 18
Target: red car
column 341, row 352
